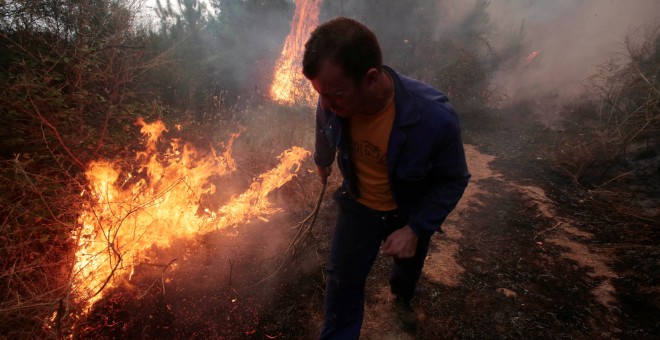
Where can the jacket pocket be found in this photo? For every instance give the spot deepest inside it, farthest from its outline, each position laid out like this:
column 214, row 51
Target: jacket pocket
column 411, row 183
column 413, row 172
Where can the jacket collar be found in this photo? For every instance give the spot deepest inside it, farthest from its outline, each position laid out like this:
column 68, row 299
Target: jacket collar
column 403, row 101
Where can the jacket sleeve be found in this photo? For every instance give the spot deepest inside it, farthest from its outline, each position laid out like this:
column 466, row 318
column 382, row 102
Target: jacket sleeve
column 325, row 146
column 448, row 177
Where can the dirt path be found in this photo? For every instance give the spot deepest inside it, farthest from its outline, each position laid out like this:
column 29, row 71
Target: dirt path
column 494, row 272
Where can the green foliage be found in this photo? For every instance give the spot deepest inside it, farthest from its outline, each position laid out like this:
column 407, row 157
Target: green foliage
column 69, row 66
column 219, row 51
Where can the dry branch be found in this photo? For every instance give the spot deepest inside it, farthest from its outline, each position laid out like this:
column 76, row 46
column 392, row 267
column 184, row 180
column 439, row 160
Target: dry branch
column 304, row 231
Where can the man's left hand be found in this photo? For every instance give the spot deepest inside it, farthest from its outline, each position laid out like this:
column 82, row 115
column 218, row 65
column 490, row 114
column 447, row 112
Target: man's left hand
column 401, row 244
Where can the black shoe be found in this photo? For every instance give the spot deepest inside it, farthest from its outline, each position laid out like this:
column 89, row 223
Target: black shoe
column 406, row 314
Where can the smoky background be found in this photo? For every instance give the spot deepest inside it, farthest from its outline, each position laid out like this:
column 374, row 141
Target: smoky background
column 86, row 70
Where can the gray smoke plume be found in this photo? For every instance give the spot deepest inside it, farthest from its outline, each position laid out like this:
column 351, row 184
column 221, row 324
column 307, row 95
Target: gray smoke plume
column 571, row 38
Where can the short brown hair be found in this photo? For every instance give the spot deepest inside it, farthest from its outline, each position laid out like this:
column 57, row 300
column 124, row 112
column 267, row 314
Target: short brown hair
column 346, row 42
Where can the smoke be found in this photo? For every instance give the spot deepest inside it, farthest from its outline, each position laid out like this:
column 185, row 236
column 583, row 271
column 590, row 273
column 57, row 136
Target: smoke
column 571, row 38
column 207, row 287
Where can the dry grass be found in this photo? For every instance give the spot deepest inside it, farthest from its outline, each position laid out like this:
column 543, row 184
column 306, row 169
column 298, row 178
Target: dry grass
column 622, row 115
column 38, row 213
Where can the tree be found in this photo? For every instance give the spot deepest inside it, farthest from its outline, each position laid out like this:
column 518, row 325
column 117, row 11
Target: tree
column 226, row 51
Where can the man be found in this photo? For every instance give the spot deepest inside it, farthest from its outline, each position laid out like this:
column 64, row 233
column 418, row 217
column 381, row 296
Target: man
column 403, row 166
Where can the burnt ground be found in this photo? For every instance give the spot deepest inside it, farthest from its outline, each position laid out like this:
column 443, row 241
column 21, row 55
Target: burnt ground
column 526, row 254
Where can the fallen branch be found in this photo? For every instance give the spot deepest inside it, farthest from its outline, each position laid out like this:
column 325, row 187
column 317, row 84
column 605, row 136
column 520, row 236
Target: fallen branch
column 557, row 225
column 162, row 281
column 311, row 218
column 303, row 232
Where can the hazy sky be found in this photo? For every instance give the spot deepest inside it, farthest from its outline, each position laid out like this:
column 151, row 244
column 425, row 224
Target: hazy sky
column 149, row 6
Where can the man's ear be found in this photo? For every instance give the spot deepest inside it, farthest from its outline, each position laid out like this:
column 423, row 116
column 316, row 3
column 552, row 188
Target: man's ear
column 372, row 77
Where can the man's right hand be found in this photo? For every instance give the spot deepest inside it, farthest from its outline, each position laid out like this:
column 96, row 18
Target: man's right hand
column 324, row 173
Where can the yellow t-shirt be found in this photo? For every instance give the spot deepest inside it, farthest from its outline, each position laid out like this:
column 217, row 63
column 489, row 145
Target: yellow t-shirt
column 369, row 137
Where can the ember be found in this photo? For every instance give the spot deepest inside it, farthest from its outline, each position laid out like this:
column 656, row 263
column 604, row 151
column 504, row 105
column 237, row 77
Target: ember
column 158, row 201
column 531, row 57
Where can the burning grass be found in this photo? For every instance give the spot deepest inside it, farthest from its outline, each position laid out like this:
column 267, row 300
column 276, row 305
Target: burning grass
column 224, row 299
column 160, row 200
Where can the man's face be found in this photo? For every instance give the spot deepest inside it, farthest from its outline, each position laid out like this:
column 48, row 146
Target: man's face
column 338, row 92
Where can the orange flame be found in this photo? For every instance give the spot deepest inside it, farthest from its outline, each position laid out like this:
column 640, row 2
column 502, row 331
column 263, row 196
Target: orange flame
column 531, row 57
column 131, row 213
column 288, row 82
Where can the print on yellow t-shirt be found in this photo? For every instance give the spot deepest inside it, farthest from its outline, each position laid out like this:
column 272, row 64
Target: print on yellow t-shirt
column 369, row 137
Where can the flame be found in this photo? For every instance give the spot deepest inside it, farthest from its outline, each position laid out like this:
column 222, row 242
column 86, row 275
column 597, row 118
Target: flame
column 531, row 57
column 133, row 211
column 288, row 82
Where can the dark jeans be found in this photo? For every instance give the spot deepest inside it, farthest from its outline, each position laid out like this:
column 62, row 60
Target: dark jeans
column 356, row 241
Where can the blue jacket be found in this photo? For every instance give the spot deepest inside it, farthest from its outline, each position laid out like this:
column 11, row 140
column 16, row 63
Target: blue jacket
column 425, row 158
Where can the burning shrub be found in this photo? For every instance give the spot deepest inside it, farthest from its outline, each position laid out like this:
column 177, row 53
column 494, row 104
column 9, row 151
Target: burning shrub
column 67, row 71
column 160, row 201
